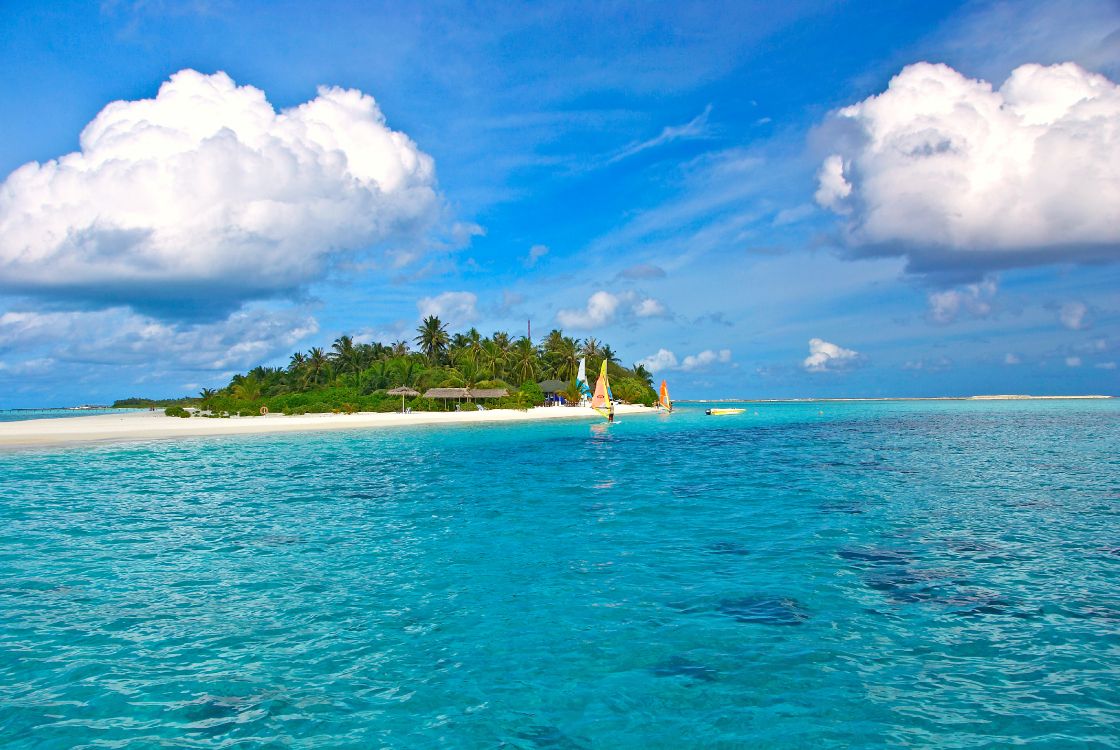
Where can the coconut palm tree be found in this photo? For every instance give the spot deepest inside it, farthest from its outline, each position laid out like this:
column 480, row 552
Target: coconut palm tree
column 591, row 348
column 249, row 389
column 206, row 394
column 523, row 360
column 344, row 355
column 399, row 348
column 432, row 338
column 643, row 374
column 316, row 366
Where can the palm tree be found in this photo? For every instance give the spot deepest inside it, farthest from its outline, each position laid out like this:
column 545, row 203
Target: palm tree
column 399, row 348
column 523, row 360
column 432, row 338
column 502, row 340
column 608, row 354
column 643, row 374
column 316, row 365
column 298, row 361
column 344, row 354
column 249, row 389
column 591, row 348
column 206, row 394
column 492, row 359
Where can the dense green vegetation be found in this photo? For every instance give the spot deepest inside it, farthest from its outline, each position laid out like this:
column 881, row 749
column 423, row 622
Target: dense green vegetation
column 355, row 377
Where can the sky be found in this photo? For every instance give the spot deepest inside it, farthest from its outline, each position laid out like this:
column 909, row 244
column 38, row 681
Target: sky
column 753, row 199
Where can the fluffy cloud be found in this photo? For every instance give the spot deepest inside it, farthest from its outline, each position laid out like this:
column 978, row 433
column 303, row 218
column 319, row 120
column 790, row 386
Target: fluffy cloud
column 454, row 308
column 206, row 196
column 1073, row 315
column 600, row 310
column 536, row 252
column 825, row 357
column 649, row 308
column 973, row 299
column 603, row 307
column 665, row 360
column 119, row 336
column 704, row 359
column 959, row 175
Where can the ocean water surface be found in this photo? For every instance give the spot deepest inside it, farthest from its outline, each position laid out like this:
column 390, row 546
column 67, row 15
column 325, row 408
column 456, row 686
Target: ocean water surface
column 16, row 415
column 938, row 574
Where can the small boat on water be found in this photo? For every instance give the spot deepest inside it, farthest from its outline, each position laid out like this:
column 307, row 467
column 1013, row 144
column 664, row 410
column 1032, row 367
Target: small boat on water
column 723, row 412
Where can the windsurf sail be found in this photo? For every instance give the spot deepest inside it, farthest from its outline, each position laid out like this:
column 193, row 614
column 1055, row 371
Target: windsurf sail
column 581, row 380
column 601, row 401
column 664, row 401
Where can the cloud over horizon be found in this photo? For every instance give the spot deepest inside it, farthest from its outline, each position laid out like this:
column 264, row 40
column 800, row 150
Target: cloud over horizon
column 204, row 197
column 828, row 357
column 960, row 176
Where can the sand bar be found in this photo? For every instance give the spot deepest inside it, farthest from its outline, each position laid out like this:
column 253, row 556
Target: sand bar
column 154, row 425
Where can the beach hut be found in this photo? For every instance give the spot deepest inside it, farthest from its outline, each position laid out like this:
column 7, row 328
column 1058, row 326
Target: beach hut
column 446, row 394
column 480, row 393
column 552, row 390
column 403, row 391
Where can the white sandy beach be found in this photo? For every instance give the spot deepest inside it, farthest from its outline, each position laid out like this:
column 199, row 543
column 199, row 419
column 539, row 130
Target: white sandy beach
column 149, row 425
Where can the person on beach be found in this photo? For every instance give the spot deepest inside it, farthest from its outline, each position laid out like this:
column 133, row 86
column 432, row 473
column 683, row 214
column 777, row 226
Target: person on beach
column 610, row 413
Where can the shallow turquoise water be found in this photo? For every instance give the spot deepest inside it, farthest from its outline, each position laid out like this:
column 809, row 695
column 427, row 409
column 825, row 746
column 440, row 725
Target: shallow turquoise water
column 16, row 415
column 876, row 575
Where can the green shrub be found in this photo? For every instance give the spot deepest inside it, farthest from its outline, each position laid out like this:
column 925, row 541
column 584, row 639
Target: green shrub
column 176, row 411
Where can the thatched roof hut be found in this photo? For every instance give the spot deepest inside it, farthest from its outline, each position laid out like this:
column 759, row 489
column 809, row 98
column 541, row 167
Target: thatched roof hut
column 489, row 393
column 553, row 386
column 447, row 393
column 403, row 391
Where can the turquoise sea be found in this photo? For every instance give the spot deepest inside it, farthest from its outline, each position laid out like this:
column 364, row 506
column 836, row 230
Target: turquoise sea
column 16, row 415
column 811, row 575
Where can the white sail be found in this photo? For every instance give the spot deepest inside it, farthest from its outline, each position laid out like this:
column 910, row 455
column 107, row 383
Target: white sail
column 581, row 379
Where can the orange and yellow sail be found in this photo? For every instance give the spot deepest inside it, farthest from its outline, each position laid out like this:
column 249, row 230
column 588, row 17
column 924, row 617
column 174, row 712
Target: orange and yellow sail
column 663, row 401
column 601, row 401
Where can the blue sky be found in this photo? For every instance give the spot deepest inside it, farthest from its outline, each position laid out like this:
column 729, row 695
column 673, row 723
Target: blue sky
column 656, row 176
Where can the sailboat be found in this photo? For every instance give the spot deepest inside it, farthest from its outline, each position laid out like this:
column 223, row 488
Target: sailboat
column 603, row 400
column 663, row 401
column 581, row 380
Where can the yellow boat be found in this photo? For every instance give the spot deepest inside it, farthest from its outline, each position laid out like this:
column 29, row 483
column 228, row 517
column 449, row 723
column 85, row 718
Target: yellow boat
column 723, row 412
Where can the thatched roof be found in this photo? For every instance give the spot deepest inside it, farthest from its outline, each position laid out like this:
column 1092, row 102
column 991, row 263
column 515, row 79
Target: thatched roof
column 403, row 391
column 447, row 393
column 489, row 393
column 553, row 386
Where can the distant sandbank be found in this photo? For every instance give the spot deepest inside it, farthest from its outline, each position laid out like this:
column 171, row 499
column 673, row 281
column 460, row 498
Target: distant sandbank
column 154, row 425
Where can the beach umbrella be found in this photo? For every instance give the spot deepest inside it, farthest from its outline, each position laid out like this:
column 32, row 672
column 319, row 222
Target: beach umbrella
column 402, row 392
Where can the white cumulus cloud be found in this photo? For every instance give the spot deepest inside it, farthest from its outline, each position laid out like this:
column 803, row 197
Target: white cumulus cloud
column 206, row 196
column 649, row 308
column 825, row 356
column 1073, row 315
column 603, row 308
column 119, row 336
column 974, row 299
column 704, row 359
column 958, row 174
column 454, row 308
column 665, row 360
column 600, row 310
